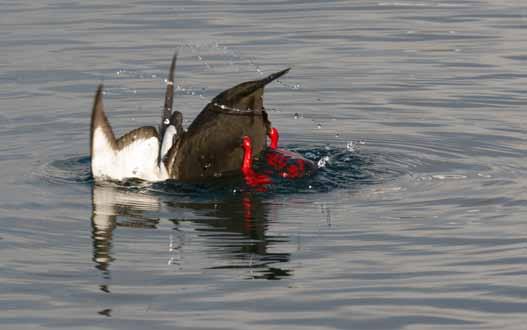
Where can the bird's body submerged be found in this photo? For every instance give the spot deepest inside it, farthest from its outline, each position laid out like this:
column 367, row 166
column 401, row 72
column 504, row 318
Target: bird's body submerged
column 211, row 147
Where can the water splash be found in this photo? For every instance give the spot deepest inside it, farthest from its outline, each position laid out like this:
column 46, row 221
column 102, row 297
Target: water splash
column 236, row 61
column 338, row 168
column 350, row 146
column 323, row 161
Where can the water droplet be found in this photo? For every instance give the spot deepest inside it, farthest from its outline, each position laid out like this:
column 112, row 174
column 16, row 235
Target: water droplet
column 319, row 126
column 166, row 121
column 323, row 162
column 350, row 147
column 337, row 135
column 310, row 187
column 154, row 76
column 296, row 115
column 171, row 243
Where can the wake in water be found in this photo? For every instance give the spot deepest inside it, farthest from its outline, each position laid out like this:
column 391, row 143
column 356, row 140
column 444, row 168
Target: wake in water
column 338, row 168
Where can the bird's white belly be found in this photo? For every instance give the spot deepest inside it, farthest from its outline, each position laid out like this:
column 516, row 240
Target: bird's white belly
column 138, row 160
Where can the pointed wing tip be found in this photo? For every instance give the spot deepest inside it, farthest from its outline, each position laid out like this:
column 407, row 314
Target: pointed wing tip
column 98, row 117
column 169, row 95
column 98, row 94
column 284, row 71
column 276, row 75
column 173, row 66
column 99, row 121
column 98, row 98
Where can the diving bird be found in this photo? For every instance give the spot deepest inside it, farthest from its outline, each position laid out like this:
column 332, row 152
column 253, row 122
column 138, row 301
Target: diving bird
column 211, row 147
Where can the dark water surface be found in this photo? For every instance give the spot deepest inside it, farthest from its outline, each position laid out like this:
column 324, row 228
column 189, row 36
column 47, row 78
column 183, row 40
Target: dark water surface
column 419, row 223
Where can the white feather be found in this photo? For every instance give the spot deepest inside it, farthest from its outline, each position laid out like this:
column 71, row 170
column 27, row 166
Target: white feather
column 136, row 160
column 168, row 138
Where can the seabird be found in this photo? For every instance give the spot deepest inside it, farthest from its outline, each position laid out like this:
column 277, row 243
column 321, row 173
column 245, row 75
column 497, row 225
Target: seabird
column 211, row 147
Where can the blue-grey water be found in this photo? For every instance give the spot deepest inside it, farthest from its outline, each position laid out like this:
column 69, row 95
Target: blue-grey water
column 417, row 220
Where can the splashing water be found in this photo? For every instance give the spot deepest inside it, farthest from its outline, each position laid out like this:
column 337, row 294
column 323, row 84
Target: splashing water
column 323, row 161
column 350, row 146
column 337, row 168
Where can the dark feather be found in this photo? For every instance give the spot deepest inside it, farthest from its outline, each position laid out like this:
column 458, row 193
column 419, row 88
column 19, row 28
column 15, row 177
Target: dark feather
column 212, row 145
column 99, row 120
column 169, row 98
column 141, row 133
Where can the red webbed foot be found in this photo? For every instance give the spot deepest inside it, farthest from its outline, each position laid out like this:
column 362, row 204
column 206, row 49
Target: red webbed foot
column 251, row 177
column 274, row 136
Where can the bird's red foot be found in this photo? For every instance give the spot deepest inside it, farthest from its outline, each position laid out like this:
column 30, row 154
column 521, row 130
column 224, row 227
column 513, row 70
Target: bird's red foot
column 274, row 136
column 252, row 178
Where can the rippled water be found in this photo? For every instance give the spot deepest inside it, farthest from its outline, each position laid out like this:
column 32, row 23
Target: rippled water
column 419, row 223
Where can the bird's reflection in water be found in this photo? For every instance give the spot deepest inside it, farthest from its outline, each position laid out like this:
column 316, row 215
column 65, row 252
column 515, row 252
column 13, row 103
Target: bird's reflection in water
column 111, row 207
column 244, row 215
column 247, row 216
